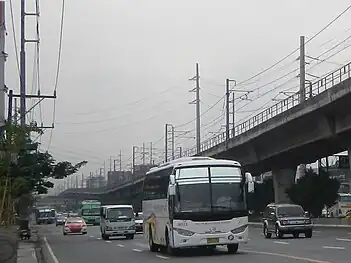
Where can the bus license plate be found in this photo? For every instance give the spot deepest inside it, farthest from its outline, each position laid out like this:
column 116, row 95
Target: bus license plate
column 212, row 240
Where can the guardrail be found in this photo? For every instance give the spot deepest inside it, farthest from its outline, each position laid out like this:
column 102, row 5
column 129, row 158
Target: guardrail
column 314, row 89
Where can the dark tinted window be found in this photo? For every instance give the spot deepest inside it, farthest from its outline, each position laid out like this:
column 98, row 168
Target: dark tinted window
column 156, row 185
column 91, row 212
column 290, row 211
column 115, row 213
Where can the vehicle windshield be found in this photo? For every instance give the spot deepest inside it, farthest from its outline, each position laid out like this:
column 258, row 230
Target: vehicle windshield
column 75, row 221
column 45, row 214
column 91, row 212
column 290, row 211
column 222, row 194
column 116, row 213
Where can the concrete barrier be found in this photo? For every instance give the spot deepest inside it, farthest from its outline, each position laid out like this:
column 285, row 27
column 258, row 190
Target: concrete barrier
column 8, row 245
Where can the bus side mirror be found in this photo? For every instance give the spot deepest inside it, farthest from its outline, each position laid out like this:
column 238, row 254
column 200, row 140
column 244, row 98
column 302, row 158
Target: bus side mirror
column 171, row 190
column 250, row 182
column 172, row 179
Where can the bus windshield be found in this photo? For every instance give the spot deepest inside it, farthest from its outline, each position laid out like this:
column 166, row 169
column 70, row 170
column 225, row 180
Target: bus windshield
column 90, row 211
column 224, row 192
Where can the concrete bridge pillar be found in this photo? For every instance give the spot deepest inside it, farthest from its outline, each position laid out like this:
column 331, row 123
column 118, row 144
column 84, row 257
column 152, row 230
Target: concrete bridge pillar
column 282, row 180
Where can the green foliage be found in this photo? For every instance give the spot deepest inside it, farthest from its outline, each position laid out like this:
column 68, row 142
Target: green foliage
column 32, row 169
column 313, row 192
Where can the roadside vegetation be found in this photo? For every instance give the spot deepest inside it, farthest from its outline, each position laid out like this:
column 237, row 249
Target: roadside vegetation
column 25, row 171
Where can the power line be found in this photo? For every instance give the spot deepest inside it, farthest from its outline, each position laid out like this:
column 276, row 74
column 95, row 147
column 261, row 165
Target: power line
column 58, row 67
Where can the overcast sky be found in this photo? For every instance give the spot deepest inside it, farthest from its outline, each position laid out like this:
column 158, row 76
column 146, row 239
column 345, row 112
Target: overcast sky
column 126, row 64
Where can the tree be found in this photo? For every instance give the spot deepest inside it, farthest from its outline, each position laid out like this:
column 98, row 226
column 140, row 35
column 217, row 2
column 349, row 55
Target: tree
column 24, row 170
column 313, row 192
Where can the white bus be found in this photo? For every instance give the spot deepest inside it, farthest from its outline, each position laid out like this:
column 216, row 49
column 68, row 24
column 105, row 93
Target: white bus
column 196, row 201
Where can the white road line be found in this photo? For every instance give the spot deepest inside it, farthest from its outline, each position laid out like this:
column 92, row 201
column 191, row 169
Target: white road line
column 344, row 239
column 328, row 247
column 317, row 231
column 120, row 245
column 281, row 242
column 98, row 238
column 91, row 236
column 141, row 245
column 108, row 241
column 162, row 257
column 54, row 258
column 137, row 250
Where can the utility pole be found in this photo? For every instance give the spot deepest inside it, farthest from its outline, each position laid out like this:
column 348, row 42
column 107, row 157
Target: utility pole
column 302, row 70
column 16, row 112
column 133, row 159
column 150, row 153
column 82, row 182
column 3, row 56
column 23, row 96
column 180, row 151
column 76, row 181
column 197, row 103
column 143, row 153
column 23, row 65
column 166, row 142
column 169, row 141
column 227, row 99
column 110, row 163
column 9, row 110
column 120, row 160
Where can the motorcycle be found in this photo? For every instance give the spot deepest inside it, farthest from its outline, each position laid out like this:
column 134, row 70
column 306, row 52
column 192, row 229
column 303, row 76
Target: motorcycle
column 24, row 230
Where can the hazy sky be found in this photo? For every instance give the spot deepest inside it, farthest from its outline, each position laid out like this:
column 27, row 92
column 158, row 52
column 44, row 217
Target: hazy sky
column 126, row 64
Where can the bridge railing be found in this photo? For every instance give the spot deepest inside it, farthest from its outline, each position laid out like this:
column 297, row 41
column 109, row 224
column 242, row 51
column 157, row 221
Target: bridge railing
column 328, row 81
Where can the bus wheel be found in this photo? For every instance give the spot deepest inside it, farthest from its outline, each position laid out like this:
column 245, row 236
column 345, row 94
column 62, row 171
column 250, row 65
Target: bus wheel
column 152, row 245
column 170, row 250
column 232, row 248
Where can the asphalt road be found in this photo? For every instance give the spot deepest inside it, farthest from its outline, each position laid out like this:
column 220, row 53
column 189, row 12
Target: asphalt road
column 326, row 246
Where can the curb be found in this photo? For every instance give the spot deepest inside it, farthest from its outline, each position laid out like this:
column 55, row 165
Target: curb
column 315, row 225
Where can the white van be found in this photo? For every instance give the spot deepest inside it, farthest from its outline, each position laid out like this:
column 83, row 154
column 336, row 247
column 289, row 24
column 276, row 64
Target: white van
column 117, row 220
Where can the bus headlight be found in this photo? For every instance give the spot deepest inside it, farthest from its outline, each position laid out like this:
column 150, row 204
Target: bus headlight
column 183, row 232
column 239, row 229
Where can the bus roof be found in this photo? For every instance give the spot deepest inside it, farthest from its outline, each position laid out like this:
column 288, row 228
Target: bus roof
column 193, row 161
column 118, row 206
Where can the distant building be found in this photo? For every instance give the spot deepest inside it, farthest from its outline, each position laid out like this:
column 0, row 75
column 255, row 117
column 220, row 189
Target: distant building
column 117, row 178
column 96, row 182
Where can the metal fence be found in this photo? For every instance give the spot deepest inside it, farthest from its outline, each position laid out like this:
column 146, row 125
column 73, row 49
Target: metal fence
column 314, row 89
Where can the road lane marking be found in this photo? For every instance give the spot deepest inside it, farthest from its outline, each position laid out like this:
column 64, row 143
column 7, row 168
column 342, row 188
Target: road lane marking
column 329, row 247
column 317, row 231
column 281, row 242
column 162, row 257
column 108, row 241
column 98, row 238
column 120, row 245
column 344, row 239
column 285, row 256
column 137, row 250
column 54, row 258
column 141, row 245
column 91, row 236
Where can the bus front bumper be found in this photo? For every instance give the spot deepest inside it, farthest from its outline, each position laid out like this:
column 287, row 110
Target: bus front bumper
column 183, row 241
